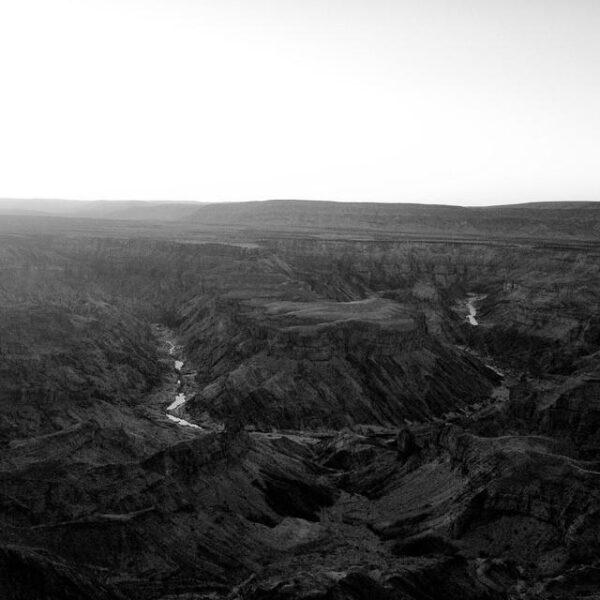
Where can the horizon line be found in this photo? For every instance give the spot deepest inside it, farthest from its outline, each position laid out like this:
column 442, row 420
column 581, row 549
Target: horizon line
column 308, row 200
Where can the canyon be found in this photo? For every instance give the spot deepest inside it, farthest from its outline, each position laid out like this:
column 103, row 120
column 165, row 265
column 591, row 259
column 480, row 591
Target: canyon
column 298, row 400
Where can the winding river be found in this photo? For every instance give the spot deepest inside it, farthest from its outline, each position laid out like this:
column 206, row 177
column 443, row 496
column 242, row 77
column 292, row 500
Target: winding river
column 471, row 300
column 180, row 399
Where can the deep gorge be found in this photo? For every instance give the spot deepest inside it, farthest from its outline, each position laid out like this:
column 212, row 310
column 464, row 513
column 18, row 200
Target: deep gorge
column 350, row 416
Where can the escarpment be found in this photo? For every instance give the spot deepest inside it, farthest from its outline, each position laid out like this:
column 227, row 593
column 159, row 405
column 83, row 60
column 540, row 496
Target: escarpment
column 335, row 366
column 569, row 409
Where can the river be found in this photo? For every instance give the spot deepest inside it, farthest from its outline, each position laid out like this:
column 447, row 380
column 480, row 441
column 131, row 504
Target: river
column 180, row 398
column 471, row 300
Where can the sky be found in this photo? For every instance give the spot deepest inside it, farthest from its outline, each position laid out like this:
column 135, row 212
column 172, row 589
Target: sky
column 466, row 102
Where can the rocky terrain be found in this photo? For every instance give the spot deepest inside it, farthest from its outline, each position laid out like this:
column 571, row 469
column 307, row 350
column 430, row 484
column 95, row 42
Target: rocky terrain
column 217, row 411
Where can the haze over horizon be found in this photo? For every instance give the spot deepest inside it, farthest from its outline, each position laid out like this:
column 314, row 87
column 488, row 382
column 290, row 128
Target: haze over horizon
column 53, row 203
column 465, row 102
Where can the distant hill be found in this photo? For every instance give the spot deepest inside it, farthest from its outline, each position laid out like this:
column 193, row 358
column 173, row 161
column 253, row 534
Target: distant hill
column 137, row 210
column 580, row 220
column 546, row 220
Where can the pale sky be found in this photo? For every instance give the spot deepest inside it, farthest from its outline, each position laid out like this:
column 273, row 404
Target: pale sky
column 454, row 101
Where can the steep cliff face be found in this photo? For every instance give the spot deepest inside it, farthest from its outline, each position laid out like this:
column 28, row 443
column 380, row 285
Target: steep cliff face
column 540, row 304
column 567, row 408
column 59, row 364
column 330, row 346
column 335, row 333
column 335, row 364
column 75, row 337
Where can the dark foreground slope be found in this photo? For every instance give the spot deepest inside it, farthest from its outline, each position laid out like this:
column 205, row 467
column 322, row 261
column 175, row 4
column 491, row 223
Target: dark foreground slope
column 358, row 437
